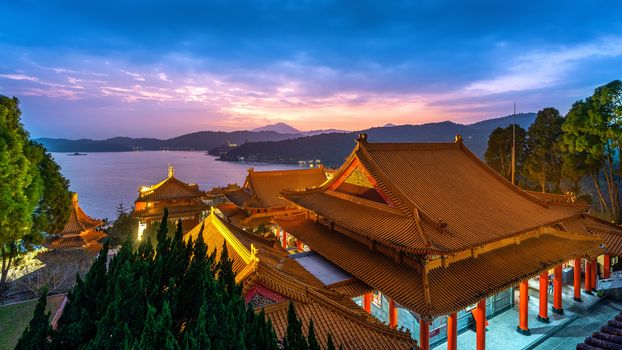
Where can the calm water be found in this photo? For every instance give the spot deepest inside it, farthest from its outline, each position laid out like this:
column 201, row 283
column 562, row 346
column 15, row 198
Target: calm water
column 103, row 180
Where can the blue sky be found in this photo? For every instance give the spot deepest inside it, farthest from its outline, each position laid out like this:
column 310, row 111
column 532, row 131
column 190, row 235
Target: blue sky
column 156, row 68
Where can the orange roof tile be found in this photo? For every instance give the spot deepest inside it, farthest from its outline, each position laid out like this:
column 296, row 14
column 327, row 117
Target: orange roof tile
column 262, row 188
column 78, row 220
column 445, row 199
column 169, row 189
column 453, row 287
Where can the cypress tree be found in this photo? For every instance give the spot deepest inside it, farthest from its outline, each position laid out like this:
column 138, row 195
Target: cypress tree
column 313, row 344
column 35, row 336
column 329, row 343
column 294, row 338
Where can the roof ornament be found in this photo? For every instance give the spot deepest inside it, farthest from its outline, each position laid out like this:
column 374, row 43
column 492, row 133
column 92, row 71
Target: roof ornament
column 254, row 253
column 458, row 138
column 171, row 170
column 74, row 199
column 571, row 197
column 362, row 138
column 251, row 170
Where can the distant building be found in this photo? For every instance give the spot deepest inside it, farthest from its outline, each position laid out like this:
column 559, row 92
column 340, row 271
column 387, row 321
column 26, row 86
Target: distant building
column 80, row 231
column 183, row 201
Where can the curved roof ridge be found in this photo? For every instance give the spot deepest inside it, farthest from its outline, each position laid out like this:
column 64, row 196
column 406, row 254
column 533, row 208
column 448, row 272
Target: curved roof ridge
column 253, row 172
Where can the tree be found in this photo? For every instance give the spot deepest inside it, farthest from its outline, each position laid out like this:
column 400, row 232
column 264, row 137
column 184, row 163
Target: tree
column 294, row 338
column 592, row 142
column 123, row 227
column 313, row 344
column 543, row 163
column 499, row 151
column 33, row 192
column 36, row 335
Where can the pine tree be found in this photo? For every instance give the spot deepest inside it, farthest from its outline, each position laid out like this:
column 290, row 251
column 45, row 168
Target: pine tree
column 294, row 338
column 313, row 344
column 35, row 336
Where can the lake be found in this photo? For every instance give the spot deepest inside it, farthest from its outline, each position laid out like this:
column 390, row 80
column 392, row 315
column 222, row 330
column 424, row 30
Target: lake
column 103, row 180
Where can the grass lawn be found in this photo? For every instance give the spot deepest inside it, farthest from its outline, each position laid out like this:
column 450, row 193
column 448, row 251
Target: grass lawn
column 15, row 318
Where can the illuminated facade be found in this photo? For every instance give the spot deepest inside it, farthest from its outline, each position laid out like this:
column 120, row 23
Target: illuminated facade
column 442, row 240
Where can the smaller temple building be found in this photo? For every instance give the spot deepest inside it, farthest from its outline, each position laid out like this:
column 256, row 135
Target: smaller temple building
column 183, row 201
column 80, row 231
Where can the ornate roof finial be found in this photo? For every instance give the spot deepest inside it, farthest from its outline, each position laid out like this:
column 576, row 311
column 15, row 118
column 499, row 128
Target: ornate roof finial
column 250, row 170
column 171, row 170
column 254, row 253
column 458, row 138
column 362, row 138
column 74, row 199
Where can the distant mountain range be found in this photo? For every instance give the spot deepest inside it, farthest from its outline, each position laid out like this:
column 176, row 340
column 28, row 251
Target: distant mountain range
column 281, row 143
column 332, row 148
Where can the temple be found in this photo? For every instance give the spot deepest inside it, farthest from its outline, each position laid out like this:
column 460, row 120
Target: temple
column 259, row 201
column 80, row 231
column 270, row 279
column 441, row 237
column 183, row 201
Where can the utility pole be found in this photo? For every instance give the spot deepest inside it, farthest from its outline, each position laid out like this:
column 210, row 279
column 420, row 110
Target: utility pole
column 514, row 148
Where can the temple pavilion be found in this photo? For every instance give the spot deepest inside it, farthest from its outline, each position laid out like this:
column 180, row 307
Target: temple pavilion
column 80, row 231
column 259, row 201
column 443, row 239
column 183, row 201
column 270, row 279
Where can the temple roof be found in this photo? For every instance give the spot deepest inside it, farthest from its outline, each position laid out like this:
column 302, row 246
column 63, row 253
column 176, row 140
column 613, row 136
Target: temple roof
column 260, row 264
column 610, row 233
column 262, row 188
column 438, row 288
column 78, row 220
column 426, row 198
column 170, row 188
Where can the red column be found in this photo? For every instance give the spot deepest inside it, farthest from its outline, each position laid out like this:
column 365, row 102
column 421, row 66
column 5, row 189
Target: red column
column 424, row 334
column 367, row 302
column 392, row 314
column 607, row 266
column 480, row 325
column 594, row 273
column 523, row 308
column 557, row 291
column 577, row 280
column 299, row 245
column 452, row 331
column 588, row 277
column 284, row 239
column 543, row 315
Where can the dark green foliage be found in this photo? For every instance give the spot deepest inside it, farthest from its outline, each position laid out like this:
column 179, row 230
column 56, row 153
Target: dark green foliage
column 313, row 344
column 123, row 227
column 543, row 163
column 329, row 343
column 294, row 338
column 35, row 337
column 499, row 152
column 173, row 297
column 33, row 193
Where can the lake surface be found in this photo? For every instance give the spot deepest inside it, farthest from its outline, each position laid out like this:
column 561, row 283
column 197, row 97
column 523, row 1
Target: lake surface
column 103, row 180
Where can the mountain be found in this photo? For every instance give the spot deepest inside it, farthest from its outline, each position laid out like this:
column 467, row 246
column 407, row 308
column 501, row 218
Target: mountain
column 202, row 140
column 281, row 128
column 334, row 147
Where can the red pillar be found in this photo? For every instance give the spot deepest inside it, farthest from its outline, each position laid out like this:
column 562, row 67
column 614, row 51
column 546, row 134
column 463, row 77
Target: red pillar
column 594, row 273
column 523, row 308
column 284, row 239
column 299, row 245
column 367, row 302
column 588, row 277
column 480, row 325
column 543, row 315
column 607, row 266
column 577, row 280
column 557, row 291
column 424, row 334
column 452, row 331
column 392, row 314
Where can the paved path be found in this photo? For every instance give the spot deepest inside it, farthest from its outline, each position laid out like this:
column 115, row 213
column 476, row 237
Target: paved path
column 568, row 337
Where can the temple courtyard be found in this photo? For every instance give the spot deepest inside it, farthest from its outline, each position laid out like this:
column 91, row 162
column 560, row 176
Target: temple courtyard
column 564, row 332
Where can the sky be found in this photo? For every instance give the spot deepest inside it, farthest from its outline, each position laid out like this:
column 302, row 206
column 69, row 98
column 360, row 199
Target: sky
column 149, row 68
